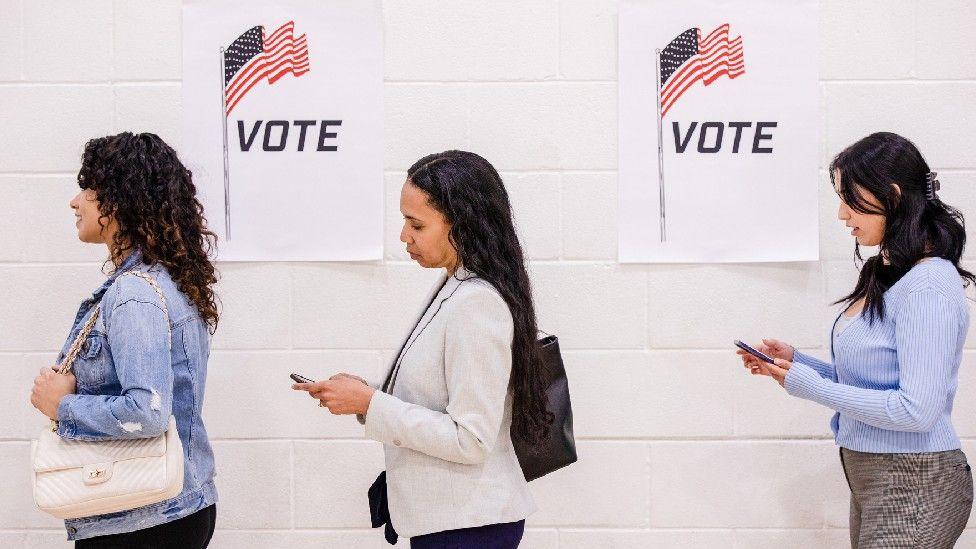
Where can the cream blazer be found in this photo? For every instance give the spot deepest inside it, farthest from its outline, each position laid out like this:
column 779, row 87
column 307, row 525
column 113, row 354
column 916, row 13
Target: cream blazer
column 445, row 428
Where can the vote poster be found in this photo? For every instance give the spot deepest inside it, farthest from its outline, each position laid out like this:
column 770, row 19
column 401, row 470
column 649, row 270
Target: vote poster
column 283, row 126
column 718, row 131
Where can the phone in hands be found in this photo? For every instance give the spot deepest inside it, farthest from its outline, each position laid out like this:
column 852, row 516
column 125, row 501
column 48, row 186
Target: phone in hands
column 300, row 378
column 761, row 356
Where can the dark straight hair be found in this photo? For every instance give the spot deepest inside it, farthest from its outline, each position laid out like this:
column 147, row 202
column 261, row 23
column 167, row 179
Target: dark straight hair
column 917, row 223
column 470, row 194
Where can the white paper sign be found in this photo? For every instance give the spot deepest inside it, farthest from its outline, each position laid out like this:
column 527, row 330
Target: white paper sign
column 736, row 177
column 301, row 83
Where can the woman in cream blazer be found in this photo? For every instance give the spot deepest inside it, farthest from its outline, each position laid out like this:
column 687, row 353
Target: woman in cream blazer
column 465, row 374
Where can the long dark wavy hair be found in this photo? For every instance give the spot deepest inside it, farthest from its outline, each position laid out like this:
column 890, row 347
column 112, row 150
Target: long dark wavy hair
column 140, row 182
column 916, row 226
column 468, row 191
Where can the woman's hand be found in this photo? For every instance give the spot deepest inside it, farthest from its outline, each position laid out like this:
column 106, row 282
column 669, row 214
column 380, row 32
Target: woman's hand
column 777, row 349
column 342, row 394
column 759, row 367
column 49, row 388
column 770, row 347
column 778, row 370
column 343, row 374
column 753, row 364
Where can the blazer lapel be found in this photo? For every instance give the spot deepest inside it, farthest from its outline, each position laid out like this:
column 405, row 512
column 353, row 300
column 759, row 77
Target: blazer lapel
column 431, row 296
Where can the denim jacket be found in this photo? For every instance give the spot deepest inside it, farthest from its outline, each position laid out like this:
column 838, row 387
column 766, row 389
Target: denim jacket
column 130, row 382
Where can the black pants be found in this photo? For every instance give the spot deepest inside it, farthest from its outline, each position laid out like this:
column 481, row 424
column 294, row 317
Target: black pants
column 493, row 536
column 190, row 532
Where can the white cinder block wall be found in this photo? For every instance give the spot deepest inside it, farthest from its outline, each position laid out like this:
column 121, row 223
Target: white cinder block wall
column 679, row 447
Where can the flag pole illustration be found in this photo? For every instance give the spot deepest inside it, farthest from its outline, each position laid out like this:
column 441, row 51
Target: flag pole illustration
column 660, row 146
column 223, row 116
column 252, row 58
column 685, row 61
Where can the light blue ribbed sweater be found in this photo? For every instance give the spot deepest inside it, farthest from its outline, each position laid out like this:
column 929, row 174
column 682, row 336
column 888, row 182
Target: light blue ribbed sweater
column 892, row 382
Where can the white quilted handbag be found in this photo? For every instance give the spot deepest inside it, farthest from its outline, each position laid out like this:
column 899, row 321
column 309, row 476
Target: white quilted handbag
column 74, row 478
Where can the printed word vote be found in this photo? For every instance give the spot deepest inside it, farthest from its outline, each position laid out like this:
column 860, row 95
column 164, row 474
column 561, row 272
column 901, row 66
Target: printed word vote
column 711, row 136
column 276, row 133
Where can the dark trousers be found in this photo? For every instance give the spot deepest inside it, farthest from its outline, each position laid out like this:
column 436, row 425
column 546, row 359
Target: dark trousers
column 190, row 532
column 493, row 536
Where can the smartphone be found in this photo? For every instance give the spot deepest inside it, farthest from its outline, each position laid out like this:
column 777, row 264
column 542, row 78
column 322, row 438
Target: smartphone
column 300, row 379
column 761, row 356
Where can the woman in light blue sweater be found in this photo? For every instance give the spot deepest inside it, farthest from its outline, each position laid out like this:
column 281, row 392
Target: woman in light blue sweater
column 895, row 352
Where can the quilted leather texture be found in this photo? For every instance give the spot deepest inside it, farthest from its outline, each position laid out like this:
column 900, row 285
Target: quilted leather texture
column 142, row 472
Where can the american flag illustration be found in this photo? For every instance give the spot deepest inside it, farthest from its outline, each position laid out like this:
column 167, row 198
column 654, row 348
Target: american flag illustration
column 256, row 56
column 251, row 59
column 686, row 60
column 689, row 59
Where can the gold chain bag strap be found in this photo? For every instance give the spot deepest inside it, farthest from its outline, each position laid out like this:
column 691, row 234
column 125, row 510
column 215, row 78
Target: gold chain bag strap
column 72, row 354
column 75, row 478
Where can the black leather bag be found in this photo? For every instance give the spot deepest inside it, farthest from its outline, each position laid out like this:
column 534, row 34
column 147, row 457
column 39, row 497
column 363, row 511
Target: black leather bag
column 559, row 448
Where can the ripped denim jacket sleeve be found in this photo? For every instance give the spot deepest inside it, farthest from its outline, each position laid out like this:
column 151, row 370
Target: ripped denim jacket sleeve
column 137, row 336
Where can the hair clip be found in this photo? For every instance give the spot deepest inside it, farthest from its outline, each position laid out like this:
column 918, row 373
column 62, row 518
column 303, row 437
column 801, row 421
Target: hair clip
column 932, row 185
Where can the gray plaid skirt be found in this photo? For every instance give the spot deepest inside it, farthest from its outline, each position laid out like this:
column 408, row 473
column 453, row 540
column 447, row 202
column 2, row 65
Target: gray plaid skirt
column 908, row 500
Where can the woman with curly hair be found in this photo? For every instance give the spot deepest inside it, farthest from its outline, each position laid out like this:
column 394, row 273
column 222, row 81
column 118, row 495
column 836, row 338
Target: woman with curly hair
column 146, row 357
column 468, row 378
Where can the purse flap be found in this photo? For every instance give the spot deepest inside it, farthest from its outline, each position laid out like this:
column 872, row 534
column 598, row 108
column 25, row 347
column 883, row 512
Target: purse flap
column 53, row 453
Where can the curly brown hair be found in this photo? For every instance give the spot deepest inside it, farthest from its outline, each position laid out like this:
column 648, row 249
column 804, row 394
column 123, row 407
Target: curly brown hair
column 140, row 182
